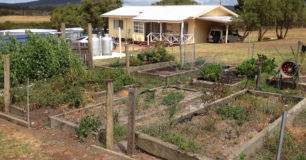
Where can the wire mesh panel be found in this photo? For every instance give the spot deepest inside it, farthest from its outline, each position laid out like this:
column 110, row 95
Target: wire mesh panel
column 81, row 49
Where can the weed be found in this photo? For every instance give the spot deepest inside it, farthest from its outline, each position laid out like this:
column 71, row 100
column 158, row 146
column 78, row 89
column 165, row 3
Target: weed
column 135, row 61
column 242, row 156
column 87, row 125
column 238, row 133
column 179, row 140
column 172, row 99
column 150, row 96
column 228, row 134
column 233, row 112
column 210, row 124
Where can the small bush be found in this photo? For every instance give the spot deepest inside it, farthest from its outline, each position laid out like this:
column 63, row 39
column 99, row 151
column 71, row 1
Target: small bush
column 155, row 55
column 233, row 112
column 74, row 97
column 115, row 63
column 250, row 67
column 87, row 125
column 172, row 99
column 211, row 72
column 135, row 61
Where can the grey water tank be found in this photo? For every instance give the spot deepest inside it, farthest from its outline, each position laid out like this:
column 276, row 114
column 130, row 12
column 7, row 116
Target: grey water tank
column 106, row 45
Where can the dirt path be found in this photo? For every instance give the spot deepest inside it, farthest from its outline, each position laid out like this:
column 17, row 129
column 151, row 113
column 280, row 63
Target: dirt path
column 17, row 142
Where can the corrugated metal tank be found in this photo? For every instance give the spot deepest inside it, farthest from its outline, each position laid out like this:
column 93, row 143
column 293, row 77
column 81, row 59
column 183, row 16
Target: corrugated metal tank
column 106, row 45
column 96, row 45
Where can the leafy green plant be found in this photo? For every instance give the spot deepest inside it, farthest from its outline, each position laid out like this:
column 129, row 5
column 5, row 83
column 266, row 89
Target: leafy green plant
column 74, row 97
column 233, row 112
column 250, row 67
column 38, row 58
column 211, row 72
column 155, row 55
column 115, row 63
column 87, row 125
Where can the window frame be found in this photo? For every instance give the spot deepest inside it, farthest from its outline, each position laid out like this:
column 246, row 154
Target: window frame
column 138, row 27
column 117, row 25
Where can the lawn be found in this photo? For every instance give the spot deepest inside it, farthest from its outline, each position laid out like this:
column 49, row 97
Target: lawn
column 235, row 53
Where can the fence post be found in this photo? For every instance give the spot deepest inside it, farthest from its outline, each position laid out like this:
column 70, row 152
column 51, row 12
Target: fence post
column 259, row 72
column 131, row 122
column 193, row 56
column 253, row 50
column 127, row 58
column 109, row 116
column 63, row 30
column 28, row 102
column 281, row 135
column 90, row 49
column 7, row 96
column 184, row 52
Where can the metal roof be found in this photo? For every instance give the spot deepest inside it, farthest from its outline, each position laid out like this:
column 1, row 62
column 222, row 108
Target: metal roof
column 175, row 14
column 220, row 19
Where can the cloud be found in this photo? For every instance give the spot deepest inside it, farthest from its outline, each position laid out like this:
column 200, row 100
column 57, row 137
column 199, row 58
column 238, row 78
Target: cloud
column 149, row 2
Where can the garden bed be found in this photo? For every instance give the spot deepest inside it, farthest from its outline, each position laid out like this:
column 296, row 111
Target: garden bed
column 294, row 146
column 149, row 103
column 223, row 129
column 170, row 72
column 228, row 78
column 143, row 67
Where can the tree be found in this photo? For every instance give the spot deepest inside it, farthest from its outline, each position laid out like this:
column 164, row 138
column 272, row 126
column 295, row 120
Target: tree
column 92, row 9
column 239, row 7
column 247, row 22
column 289, row 12
column 260, row 13
column 69, row 14
column 176, row 2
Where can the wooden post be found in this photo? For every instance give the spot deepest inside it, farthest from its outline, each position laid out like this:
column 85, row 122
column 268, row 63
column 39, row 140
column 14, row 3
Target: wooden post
column 109, row 117
column 7, row 96
column 131, row 122
column 259, row 72
column 226, row 34
column 253, row 50
column 127, row 58
column 90, row 49
column 193, row 56
column 63, row 30
column 299, row 51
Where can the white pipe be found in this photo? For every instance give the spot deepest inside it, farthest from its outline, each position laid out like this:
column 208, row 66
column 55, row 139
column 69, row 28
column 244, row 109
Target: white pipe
column 120, row 50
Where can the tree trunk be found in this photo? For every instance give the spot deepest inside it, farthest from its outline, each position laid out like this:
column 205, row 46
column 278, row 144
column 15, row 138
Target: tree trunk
column 287, row 28
column 245, row 35
column 261, row 33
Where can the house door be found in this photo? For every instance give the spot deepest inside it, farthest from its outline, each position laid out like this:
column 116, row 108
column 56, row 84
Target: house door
column 153, row 27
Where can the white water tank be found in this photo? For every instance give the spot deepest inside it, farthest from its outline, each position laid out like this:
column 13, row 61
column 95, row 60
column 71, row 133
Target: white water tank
column 106, row 45
column 96, row 45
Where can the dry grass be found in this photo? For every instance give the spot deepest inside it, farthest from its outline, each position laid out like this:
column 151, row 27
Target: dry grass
column 24, row 19
column 235, row 53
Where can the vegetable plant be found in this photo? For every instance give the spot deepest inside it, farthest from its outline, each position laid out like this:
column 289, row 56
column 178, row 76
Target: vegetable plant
column 87, row 125
column 211, row 72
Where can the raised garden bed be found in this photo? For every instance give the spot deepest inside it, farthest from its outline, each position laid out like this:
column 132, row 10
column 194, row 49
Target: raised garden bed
column 170, row 72
column 228, row 78
column 223, row 129
column 294, row 146
column 144, row 66
column 149, row 103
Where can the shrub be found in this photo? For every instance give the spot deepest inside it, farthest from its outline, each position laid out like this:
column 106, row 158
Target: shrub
column 87, row 125
column 250, row 67
column 38, row 58
column 155, row 55
column 211, row 72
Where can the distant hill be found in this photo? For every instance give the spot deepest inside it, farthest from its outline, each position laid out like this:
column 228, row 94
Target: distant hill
column 49, row 3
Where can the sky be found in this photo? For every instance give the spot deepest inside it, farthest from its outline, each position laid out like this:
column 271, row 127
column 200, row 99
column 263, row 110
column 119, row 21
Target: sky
column 143, row 2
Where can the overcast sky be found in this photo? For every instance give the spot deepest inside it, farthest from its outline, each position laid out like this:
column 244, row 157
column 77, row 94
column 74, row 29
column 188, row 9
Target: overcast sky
column 144, row 2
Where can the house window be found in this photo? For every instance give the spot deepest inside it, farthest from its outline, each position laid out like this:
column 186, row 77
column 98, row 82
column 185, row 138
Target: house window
column 117, row 24
column 138, row 27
